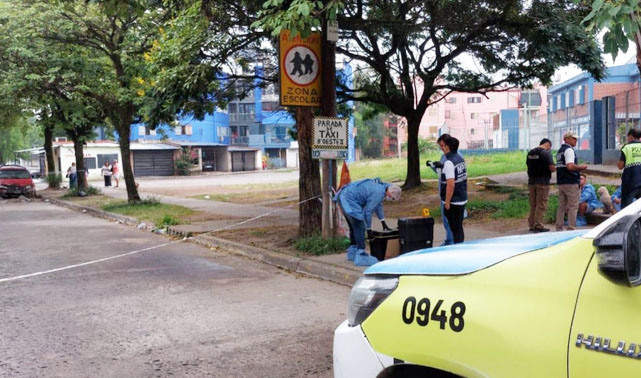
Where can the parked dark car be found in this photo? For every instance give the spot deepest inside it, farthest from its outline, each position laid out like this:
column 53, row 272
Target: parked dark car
column 16, row 180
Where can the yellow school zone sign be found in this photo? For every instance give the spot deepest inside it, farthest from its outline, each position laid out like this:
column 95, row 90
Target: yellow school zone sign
column 300, row 83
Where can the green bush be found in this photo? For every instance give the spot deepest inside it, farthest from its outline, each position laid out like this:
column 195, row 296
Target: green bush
column 183, row 164
column 90, row 191
column 317, row 245
column 54, row 180
column 167, row 220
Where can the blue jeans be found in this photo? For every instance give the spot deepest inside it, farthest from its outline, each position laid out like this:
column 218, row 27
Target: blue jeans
column 357, row 230
column 449, row 237
column 73, row 180
column 630, row 196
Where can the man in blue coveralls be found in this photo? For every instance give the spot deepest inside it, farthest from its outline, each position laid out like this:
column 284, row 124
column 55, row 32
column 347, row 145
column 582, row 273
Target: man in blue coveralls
column 358, row 201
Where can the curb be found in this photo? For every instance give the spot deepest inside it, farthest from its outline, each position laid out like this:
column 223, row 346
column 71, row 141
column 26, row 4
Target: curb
column 305, row 266
column 299, row 265
column 95, row 212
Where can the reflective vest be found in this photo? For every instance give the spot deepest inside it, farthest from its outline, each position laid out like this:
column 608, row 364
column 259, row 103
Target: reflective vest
column 460, row 178
column 563, row 174
column 631, row 177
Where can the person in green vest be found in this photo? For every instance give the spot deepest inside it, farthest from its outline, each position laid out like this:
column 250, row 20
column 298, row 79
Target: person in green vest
column 630, row 162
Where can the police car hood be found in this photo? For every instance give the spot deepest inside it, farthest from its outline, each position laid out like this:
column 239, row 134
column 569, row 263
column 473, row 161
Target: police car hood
column 470, row 256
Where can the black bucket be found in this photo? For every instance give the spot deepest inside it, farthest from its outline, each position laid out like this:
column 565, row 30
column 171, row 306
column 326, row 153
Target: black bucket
column 378, row 243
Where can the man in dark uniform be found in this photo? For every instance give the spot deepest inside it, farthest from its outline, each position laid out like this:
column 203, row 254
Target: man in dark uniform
column 630, row 162
column 454, row 188
column 540, row 166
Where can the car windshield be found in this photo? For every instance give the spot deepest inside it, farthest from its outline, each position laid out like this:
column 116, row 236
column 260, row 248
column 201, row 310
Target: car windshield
column 14, row 174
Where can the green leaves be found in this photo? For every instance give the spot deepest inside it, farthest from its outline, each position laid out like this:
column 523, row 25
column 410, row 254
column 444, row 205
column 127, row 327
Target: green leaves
column 621, row 20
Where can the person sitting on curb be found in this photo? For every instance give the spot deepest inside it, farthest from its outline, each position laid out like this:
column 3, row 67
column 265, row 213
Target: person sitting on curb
column 588, row 201
column 358, row 201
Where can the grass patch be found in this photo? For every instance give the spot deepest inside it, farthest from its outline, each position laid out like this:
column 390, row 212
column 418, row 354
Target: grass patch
column 89, row 191
column 516, row 206
column 550, row 213
column 318, row 246
column 477, row 165
column 150, row 210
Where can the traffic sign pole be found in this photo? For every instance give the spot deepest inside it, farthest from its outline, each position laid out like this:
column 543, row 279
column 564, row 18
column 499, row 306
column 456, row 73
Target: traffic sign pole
column 328, row 109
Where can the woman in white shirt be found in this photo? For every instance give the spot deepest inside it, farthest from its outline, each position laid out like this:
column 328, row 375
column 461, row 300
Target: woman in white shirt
column 106, row 173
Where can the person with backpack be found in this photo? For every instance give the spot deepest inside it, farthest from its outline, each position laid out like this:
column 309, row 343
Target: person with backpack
column 540, row 166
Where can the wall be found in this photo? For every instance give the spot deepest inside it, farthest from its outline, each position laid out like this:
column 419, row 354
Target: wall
column 67, row 156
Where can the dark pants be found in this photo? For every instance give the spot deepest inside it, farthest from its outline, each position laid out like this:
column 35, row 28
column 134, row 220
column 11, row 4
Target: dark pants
column 73, row 180
column 357, row 230
column 455, row 218
column 107, row 180
column 628, row 197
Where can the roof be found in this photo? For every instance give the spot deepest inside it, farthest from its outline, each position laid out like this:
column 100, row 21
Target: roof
column 200, row 144
column 232, row 149
column 151, row 146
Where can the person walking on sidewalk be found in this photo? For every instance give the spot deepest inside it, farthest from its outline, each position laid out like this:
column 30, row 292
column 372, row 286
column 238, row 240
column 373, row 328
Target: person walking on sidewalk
column 630, row 162
column 540, row 166
column 454, row 188
column 115, row 171
column 358, row 201
column 437, row 167
column 106, row 173
column 73, row 176
column 567, row 178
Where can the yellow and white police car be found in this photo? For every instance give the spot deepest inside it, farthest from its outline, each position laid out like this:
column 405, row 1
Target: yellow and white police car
column 564, row 304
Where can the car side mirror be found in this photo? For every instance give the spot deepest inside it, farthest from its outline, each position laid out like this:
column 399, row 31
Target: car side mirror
column 618, row 251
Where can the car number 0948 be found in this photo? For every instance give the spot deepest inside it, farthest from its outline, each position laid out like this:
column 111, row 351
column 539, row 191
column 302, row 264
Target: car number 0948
column 419, row 312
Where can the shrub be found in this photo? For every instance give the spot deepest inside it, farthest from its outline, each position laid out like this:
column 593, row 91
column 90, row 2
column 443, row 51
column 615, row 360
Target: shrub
column 89, row 191
column 167, row 220
column 183, row 164
column 54, row 180
column 317, row 245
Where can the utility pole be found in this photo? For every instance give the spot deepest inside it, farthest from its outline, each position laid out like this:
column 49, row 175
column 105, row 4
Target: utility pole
column 328, row 109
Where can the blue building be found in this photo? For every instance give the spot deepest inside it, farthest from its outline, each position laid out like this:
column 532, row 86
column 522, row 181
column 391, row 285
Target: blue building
column 600, row 113
column 251, row 133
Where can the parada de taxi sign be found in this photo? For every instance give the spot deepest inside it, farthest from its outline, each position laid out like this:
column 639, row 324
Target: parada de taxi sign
column 563, row 304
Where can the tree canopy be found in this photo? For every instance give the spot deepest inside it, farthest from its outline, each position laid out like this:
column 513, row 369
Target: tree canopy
column 412, row 53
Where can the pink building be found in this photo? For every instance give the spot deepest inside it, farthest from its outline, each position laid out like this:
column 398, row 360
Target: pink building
column 475, row 119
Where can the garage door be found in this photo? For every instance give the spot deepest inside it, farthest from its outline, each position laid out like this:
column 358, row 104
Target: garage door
column 243, row 161
column 153, row 163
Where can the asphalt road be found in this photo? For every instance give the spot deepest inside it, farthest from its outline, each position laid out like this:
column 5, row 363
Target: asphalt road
column 176, row 311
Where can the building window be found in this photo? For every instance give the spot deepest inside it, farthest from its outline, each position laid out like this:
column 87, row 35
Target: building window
column 474, row 100
column 473, row 115
column 183, row 130
column 223, row 131
column 471, row 131
column 451, row 100
column 90, row 163
column 270, row 106
column 448, row 114
column 143, row 130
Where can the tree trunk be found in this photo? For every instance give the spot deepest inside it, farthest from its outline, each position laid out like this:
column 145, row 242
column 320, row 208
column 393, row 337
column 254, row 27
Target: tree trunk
column 51, row 161
column 310, row 211
column 413, row 178
column 79, row 151
column 124, row 132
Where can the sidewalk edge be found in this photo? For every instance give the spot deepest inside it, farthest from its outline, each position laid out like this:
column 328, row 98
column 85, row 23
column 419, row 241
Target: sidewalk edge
column 305, row 266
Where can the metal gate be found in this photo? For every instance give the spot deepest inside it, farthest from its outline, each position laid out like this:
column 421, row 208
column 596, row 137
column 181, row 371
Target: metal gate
column 153, row 163
column 243, row 161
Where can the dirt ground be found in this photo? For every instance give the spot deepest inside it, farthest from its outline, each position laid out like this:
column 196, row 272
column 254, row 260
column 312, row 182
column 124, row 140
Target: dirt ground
column 413, row 201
